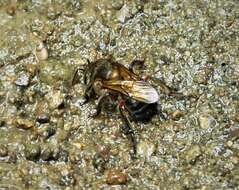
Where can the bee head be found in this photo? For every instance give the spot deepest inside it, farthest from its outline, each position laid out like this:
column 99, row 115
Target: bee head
column 98, row 86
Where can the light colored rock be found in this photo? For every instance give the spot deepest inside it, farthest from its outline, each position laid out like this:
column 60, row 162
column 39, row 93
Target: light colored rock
column 192, row 154
column 145, row 149
column 206, row 121
column 23, row 79
column 55, row 98
column 116, row 177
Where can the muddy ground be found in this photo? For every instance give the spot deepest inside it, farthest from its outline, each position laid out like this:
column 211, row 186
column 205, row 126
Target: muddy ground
column 48, row 140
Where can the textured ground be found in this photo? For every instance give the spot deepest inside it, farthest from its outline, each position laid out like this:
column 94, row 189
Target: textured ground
column 47, row 140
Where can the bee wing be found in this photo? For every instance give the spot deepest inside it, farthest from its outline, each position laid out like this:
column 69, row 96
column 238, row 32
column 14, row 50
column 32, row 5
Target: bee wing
column 126, row 74
column 138, row 90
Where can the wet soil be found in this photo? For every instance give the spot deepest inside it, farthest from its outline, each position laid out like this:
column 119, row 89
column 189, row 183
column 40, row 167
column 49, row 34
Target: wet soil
column 48, row 140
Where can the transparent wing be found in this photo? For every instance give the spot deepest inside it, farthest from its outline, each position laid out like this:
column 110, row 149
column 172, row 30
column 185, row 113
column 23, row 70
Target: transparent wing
column 138, row 90
column 126, row 74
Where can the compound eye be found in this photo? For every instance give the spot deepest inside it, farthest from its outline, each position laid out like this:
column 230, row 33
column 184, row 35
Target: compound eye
column 114, row 75
column 97, row 86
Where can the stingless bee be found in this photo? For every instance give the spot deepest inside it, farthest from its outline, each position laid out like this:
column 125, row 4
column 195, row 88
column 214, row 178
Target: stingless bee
column 112, row 82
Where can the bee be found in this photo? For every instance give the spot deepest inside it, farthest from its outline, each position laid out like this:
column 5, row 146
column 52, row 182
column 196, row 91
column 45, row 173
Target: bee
column 112, row 82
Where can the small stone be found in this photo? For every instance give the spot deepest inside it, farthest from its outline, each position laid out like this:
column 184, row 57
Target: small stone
column 206, row 121
column 103, row 151
column 75, row 158
column 43, row 119
column 67, row 179
column 23, row 123
column 236, row 117
column 229, row 143
column 117, row 4
column 32, row 152
column 62, row 135
column 55, row 98
column 235, row 159
column 234, row 134
column 99, row 163
column 3, row 151
column 12, row 157
column 50, row 153
column 64, row 155
column 124, row 14
column 48, row 131
column 42, row 112
column 32, row 69
column 53, row 72
column 41, row 52
column 145, row 149
column 11, row 10
column 33, row 136
column 193, row 153
column 46, row 154
column 177, row 114
column 23, row 79
column 201, row 78
column 116, row 177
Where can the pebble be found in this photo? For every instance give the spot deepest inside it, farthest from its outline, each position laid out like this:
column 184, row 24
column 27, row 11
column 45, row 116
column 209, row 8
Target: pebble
column 103, row 151
column 46, row 154
column 64, row 155
column 116, row 177
column 32, row 69
column 42, row 112
column 193, row 153
column 177, row 114
column 23, row 123
column 61, row 135
column 117, row 4
column 41, row 52
column 235, row 159
column 12, row 157
column 124, row 14
column 206, row 121
column 32, row 152
column 75, row 158
column 66, row 177
column 201, row 78
column 11, row 10
column 55, row 98
column 234, row 134
column 145, row 149
column 229, row 143
column 3, row 151
column 48, row 131
column 236, row 117
column 53, row 72
column 23, row 79
column 50, row 153
column 99, row 163
column 67, row 180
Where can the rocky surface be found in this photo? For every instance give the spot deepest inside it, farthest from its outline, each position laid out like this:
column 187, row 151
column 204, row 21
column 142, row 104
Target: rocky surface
column 47, row 140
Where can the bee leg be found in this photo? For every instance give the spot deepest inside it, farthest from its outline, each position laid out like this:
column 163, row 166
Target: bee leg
column 76, row 77
column 87, row 99
column 101, row 101
column 162, row 115
column 136, row 63
column 88, row 94
column 128, row 131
